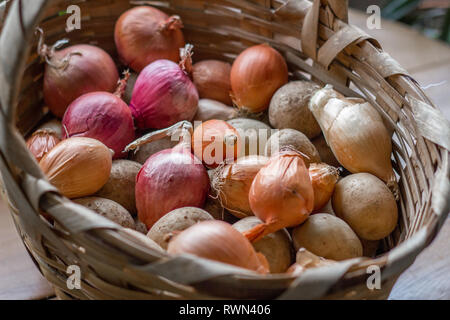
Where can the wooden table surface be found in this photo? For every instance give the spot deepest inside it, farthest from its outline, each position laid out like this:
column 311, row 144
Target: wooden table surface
column 427, row 61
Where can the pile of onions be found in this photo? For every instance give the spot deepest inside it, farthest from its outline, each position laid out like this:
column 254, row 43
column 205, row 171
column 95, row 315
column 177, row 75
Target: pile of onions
column 103, row 116
column 281, row 194
column 77, row 166
column 256, row 74
column 164, row 94
column 41, row 142
column 145, row 34
column 355, row 132
column 219, row 241
column 212, row 80
column 216, row 141
column 323, row 178
column 74, row 71
column 170, row 179
column 232, row 183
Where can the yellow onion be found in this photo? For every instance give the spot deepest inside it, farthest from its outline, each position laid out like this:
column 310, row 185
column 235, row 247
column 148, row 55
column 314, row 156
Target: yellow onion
column 256, row 74
column 218, row 241
column 232, row 183
column 78, row 166
column 41, row 142
column 355, row 132
column 323, row 178
column 281, row 194
column 212, row 80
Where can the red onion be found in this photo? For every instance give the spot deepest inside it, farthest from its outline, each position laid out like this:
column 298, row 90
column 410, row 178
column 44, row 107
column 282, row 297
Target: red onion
column 145, row 34
column 74, row 71
column 102, row 116
column 164, row 94
column 170, row 179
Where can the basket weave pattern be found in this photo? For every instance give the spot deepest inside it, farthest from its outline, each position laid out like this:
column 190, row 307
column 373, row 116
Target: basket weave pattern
column 316, row 39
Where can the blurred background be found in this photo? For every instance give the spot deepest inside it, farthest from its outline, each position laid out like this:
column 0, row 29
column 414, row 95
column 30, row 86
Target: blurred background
column 430, row 17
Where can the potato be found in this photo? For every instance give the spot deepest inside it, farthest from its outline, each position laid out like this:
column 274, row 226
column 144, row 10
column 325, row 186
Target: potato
column 255, row 133
column 142, row 240
column 295, row 139
column 289, row 108
column 211, row 109
column 54, row 125
column 276, row 247
column 370, row 247
column 215, row 209
column 327, row 236
column 147, row 150
column 130, row 86
column 176, row 220
column 108, row 209
column 121, row 183
column 140, row 226
column 366, row 204
column 325, row 152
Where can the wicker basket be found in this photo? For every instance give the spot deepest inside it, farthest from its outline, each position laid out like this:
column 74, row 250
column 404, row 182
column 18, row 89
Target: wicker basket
column 117, row 265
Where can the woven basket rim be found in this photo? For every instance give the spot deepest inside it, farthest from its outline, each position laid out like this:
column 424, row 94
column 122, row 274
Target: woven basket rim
column 394, row 261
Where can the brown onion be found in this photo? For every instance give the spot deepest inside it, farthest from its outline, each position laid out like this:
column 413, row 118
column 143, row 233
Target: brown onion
column 41, row 142
column 216, row 141
column 219, row 241
column 281, row 194
column 256, row 74
column 77, row 166
column 74, row 71
column 145, row 34
column 323, row 178
column 232, row 183
column 212, row 79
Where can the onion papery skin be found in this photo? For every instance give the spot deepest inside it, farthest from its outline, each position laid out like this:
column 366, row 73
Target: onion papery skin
column 140, row 40
column 162, row 96
column 168, row 180
column 323, row 178
column 281, row 194
column 218, row 241
column 102, row 116
column 212, row 80
column 89, row 69
column 41, row 142
column 257, row 73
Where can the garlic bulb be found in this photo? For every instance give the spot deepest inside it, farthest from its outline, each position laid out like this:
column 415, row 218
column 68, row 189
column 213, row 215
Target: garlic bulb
column 355, row 132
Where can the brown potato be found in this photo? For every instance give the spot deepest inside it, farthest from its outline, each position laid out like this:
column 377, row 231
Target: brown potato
column 289, row 108
column 211, row 109
column 147, row 150
column 53, row 125
column 140, row 226
column 295, row 139
column 327, row 236
column 108, row 209
column 276, row 247
column 175, row 221
column 325, row 152
column 255, row 133
column 367, row 205
column 121, row 183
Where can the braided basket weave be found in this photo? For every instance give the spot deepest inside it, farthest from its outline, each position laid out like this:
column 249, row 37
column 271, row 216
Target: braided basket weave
column 316, row 40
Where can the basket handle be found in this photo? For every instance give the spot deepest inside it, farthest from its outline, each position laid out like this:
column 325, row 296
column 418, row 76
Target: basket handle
column 14, row 47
